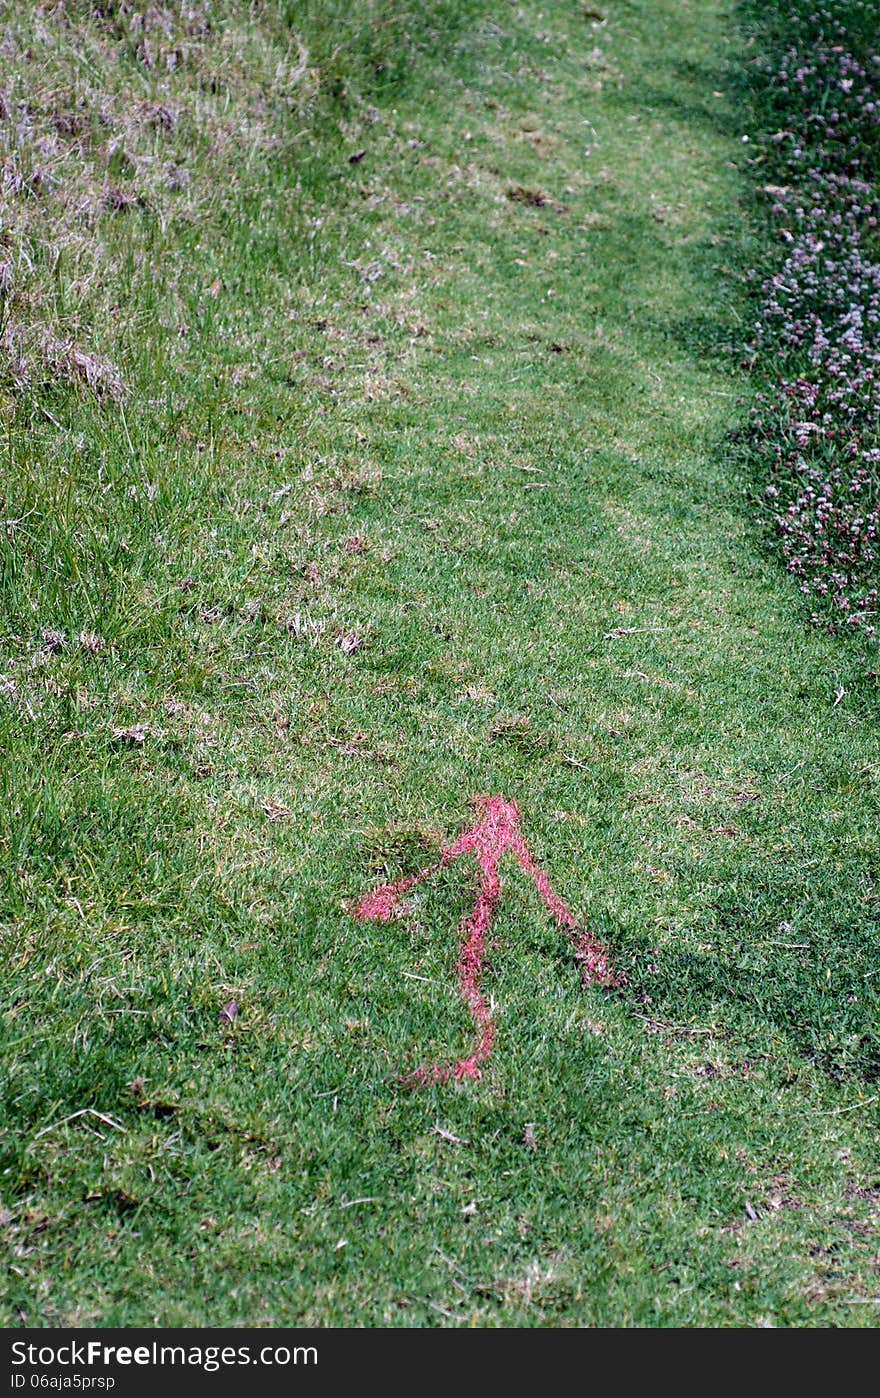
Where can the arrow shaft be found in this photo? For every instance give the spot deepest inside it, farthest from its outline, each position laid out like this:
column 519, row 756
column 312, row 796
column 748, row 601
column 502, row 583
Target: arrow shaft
column 469, row 972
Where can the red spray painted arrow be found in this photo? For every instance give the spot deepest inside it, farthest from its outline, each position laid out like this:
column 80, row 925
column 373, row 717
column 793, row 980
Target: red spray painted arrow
column 496, row 831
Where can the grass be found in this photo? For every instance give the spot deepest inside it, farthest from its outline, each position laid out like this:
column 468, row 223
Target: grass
column 416, row 486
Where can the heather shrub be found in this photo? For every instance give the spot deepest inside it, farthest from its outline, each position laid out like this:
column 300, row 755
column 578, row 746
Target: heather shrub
column 815, row 431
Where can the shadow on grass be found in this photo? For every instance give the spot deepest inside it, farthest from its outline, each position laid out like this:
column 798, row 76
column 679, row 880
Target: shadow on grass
column 815, row 986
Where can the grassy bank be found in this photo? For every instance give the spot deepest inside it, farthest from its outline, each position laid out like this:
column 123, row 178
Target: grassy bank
column 413, row 486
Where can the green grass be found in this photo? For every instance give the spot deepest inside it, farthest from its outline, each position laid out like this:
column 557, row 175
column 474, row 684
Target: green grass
column 481, row 440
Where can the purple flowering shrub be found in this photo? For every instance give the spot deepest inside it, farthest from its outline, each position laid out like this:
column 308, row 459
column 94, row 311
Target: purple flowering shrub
column 816, row 427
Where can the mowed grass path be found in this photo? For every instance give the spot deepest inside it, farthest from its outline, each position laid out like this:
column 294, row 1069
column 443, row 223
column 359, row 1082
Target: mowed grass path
column 433, row 499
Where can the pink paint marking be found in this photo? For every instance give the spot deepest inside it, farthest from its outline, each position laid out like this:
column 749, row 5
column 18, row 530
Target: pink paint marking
column 497, row 830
